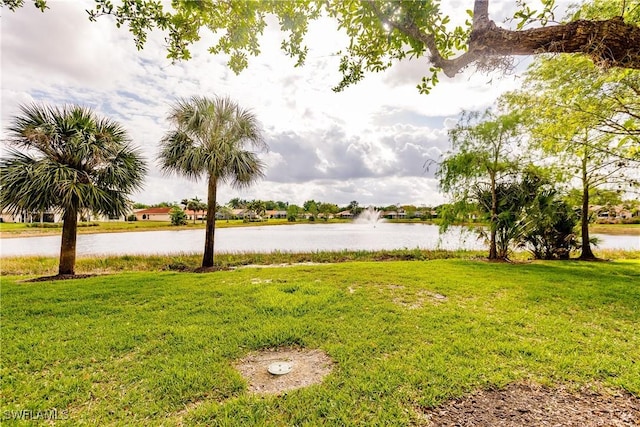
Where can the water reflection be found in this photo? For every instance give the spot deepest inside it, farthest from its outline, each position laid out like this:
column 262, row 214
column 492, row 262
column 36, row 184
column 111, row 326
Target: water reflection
column 292, row 238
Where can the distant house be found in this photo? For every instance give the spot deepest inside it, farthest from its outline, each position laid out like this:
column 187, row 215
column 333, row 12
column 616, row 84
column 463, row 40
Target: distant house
column 153, row 214
column 197, row 215
column 29, row 217
column 344, row 214
column 275, row 214
column 399, row 214
column 54, row 217
column 238, row 213
column 610, row 213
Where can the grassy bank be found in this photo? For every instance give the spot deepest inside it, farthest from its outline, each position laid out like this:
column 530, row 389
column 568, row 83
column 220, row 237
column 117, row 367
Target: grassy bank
column 157, row 348
column 628, row 229
column 44, row 266
column 41, row 266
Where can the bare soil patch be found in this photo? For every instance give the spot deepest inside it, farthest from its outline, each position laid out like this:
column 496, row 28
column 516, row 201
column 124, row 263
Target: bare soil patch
column 411, row 300
column 533, row 405
column 308, row 367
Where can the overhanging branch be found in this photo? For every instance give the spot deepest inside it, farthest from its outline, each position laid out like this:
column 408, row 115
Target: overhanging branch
column 609, row 43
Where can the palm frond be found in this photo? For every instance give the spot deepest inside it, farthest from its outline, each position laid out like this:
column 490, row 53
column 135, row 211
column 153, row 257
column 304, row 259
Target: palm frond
column 244, row 169
column 209, row 136
column 74, row 157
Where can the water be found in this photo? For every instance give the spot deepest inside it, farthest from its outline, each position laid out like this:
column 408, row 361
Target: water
column 289, row 238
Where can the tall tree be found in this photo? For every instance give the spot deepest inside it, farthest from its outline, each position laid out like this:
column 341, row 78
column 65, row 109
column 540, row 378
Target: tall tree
column 483, row 153
column 327, row 209
column 354, row 207
column 292, row 212
column 572, row 111
column 225, row 211
column 237, row 203
column 258, row 207
column 195, row 205
column 311, row 207
column 210, row 139
column 384, row 32
column 73, row 161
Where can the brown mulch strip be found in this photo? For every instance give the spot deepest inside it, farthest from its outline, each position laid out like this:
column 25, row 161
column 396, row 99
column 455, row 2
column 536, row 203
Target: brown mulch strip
column 532, row 405
column 59, row 277
column 207, row 269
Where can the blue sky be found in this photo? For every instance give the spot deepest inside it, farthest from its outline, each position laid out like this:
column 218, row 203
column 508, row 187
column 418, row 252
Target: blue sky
column 368, row 143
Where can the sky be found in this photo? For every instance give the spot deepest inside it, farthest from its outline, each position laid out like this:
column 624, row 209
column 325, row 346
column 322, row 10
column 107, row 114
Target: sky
column 370, row 143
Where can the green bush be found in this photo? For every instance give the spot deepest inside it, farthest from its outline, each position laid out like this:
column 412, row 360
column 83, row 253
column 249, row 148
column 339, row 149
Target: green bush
column 178, row 217
column 634, row 220
column 44, row 225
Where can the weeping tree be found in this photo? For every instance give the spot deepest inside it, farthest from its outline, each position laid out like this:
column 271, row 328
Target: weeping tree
column 210, row 139
column 68, row 160
column 483, row 154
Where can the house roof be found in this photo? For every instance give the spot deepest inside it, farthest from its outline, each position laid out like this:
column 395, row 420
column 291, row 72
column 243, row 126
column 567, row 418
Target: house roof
column 154, row 211
column 275, row 212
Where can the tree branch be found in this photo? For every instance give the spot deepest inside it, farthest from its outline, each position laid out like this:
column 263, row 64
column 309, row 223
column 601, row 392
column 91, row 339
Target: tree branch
column 609, row 43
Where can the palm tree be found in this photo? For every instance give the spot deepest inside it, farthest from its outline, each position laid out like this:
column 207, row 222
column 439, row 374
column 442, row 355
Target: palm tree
column 202, row 207
column 209, row 140
column 193, row 205
column 74, row 161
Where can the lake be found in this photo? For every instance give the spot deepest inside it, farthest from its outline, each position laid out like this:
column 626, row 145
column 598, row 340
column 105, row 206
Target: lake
column 286, row 238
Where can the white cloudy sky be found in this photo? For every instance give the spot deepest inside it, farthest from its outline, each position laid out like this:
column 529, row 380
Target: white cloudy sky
column 368, row 143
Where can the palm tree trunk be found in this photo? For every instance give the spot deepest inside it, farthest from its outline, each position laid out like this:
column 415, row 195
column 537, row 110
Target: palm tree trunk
column 68, row 245
column 210, row 227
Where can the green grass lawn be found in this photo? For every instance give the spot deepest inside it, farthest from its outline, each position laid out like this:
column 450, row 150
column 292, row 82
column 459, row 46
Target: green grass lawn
column 138, row 348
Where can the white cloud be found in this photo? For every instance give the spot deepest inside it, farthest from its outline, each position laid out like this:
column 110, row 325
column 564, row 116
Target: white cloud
column 368, row 143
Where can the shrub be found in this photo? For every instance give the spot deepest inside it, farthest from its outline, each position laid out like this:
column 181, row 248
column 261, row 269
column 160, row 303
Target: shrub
column 178, row 217
column 550, row 234
column 44, row 225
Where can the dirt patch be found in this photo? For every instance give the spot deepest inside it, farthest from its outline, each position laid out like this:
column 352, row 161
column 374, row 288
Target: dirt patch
column 414, row 301
column 281, row 265
column 534, row 405
column 308, row 367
